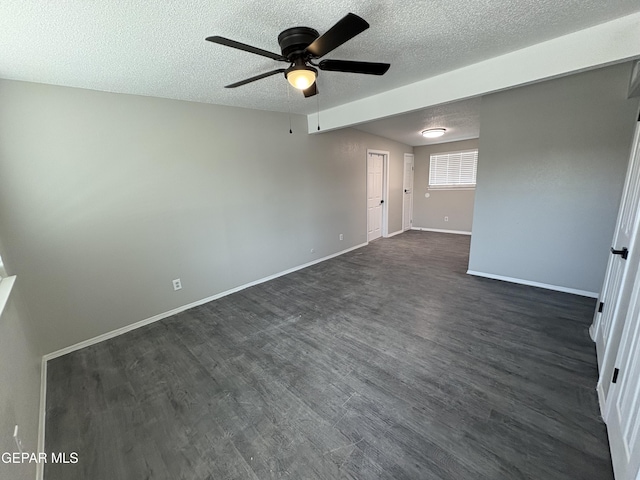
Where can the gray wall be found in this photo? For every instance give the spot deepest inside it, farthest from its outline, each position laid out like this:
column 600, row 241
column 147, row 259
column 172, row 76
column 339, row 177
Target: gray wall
column 19, row 385
column 106, row 198
column 553, row 158
column 455, row 204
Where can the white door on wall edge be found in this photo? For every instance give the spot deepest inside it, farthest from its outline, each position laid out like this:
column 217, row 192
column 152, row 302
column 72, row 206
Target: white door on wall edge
column 616, row 292
column 623, row 413
column 375, row 172
column 407, row 195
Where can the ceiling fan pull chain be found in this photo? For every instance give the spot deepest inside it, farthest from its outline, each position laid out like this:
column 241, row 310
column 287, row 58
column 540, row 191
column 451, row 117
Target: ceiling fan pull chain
column 318, row 104
column 289, row 105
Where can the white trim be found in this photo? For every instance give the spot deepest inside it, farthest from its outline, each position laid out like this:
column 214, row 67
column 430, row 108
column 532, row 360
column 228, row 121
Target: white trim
column 394, row 234
column 410, row 187
column 160, row 316
column 384, row 228
column 385, row 187
column 42, row 415
column 457, row 232
column 601, row 400
column 604, row 44
column 6, row 285
column 574, row 291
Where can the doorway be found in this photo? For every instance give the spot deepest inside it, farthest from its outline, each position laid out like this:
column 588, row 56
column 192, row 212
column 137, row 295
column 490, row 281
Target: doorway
column 407, row 193
column 614, row 299
column 377, row 193
column 623, row 401
column 616, row 330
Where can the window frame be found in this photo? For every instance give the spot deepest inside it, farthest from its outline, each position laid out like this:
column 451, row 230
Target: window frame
column 453, row 186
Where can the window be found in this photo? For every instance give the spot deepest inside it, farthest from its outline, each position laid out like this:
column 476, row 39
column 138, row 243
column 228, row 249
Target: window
column 453, row 169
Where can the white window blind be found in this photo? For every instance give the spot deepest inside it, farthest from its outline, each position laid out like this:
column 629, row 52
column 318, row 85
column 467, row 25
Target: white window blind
column 453, row 169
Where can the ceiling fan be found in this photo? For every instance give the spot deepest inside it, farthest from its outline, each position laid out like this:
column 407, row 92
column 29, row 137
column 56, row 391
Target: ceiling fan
column 301, row 45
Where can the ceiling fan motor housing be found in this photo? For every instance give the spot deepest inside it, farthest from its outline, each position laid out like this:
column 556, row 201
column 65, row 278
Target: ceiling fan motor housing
column 294, row 40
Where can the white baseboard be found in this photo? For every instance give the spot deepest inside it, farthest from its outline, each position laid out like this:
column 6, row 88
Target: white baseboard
column 160, row 316
column 601, row 400
column 394, row 233
column 557, row 288
column 457, row 232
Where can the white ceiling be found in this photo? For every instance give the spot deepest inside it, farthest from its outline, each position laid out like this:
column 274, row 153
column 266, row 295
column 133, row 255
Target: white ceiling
column 460, row 119
column 158, row 48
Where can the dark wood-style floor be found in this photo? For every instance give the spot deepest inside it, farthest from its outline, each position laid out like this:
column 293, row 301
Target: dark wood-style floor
column 388, row 362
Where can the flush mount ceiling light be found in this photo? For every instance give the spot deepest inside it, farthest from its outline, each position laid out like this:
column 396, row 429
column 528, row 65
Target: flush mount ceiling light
column 433, row 132
column 301, row 76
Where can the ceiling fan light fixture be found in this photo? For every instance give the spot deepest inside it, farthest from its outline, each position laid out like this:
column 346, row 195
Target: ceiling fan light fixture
column 301, row 77
column 433, row 132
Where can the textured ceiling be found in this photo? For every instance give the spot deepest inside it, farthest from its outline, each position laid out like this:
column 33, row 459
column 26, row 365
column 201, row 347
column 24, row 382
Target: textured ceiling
column 158, row 49
column 460, row 119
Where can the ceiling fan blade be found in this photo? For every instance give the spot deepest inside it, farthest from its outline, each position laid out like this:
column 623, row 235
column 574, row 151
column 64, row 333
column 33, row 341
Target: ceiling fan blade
column 247, row 48
column 253, row 79
column 368, row 68
column 346, row 28
column 311, row 91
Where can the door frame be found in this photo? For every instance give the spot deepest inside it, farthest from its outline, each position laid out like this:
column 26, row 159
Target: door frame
column 404, row 174
column 607, row 351
column 385, row 192
column 625, row 461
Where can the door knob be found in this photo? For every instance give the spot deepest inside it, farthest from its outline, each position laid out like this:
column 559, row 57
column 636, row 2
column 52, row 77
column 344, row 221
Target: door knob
column 624, row 253
column 381, row 202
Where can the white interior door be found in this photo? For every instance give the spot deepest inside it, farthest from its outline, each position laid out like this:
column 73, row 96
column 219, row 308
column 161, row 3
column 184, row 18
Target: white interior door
column 407, row 198
column 375, row 172
column 616, row 292
column 623, row 417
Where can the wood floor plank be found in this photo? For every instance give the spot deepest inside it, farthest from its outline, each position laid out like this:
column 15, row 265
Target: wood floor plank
column 388, row 362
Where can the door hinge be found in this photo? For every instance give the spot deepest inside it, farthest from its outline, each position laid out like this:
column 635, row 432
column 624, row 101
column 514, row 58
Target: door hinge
column 600, row 307
column 624, row 253
column 616, row 371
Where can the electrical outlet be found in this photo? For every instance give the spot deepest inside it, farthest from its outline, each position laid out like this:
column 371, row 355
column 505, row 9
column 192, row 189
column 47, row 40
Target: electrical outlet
column 177, row 284
column 341, row 237
column 446, row 219
column 16, row 438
